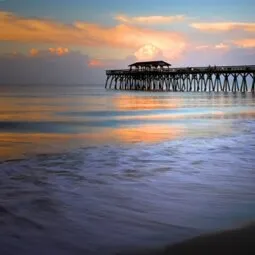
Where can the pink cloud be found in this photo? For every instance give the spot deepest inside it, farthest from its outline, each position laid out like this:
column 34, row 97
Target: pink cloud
column 202, row 47
column 245, row 43
column 220, row 46
column 223, row 26
column 150, row 19
column 21, row 29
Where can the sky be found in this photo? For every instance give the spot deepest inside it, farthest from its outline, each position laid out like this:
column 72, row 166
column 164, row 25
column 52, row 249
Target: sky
column 75, row 41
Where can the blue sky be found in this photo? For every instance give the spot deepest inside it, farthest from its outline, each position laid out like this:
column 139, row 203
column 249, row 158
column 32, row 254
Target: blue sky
column 96, row 10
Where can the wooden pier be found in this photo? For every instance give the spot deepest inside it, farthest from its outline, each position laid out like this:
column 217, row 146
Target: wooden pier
column 160, row 76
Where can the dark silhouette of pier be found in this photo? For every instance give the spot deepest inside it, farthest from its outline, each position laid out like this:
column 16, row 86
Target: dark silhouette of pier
column 160, row 76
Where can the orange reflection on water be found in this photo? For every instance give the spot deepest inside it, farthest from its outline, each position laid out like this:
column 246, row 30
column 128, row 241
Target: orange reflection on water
column 244, row 114
column 46, row 109
column 39, row 109
column 147, row 133
column 19, row 145
column 133, row 102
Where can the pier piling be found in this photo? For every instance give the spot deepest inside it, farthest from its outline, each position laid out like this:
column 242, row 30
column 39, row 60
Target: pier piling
column 160, row 76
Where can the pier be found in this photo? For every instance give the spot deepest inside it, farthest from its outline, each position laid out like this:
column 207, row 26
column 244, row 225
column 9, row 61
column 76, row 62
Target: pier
column 160, row 76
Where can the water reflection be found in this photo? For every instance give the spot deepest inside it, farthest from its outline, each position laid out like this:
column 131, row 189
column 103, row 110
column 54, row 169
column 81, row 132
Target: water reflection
column 20, row 145
column 129, row 102
column 148, row 133
column 127, row 169
column 31, row 122
column 47, row 108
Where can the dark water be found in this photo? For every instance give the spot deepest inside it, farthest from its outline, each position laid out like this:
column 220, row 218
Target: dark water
column 89, row 171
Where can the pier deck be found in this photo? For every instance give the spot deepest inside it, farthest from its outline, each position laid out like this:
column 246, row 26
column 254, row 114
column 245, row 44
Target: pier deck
column 160, row 76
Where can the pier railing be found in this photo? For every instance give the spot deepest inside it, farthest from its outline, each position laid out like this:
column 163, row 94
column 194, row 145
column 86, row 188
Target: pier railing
column 209, row 78
column 221, row 69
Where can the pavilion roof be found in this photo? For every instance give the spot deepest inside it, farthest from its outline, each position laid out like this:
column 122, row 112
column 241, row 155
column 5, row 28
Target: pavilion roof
column 150, row 64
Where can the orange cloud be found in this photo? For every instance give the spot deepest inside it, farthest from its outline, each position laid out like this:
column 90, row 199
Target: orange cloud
column 58, row 51
column 126, row 36
column 96, row 63
column 54, row 51
column 111, row 63
column 202, row 47
column 150, row 19
column 222, row 46
column 245, row 43
column 34, row 52
column 223, row 26
column 20, row 29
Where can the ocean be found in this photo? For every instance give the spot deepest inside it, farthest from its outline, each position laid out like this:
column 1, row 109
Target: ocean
column 84, row 170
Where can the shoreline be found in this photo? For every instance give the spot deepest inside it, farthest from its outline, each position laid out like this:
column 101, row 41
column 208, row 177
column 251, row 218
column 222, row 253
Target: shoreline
column 239, row 240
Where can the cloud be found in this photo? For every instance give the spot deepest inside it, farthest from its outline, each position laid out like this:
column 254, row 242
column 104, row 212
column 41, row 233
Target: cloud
column 103, row 64
column 60, row 64
column 202, row 47
column 239, row 56
column 150, row 19
column 20, row 29
column 45, row 67
column 96, row 63
column 148, row 52
column 212, row 55
column 33, row 52
column 220, row 46
column 201, row 55
column 241, row 43
column 132, row 37
column 50, row 66
column 223, row 26
column 59, row 51
column 245, row 43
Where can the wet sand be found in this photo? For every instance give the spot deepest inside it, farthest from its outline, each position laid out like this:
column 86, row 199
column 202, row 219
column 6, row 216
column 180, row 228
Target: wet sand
column 234, row 241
